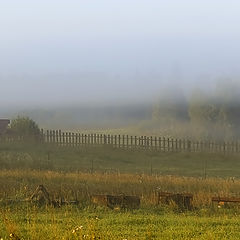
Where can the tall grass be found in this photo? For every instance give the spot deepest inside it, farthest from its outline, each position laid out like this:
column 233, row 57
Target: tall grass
column 76, row 185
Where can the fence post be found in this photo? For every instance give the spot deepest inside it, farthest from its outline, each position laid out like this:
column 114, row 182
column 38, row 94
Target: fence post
column 60, row 137
column 189, row 145
column 113, row 140
column 144, row 142
column 155, row 143
column 76, row 139
column 148, row 143
column 42, row 136
column 164, row 144
column 119, row 141
column 57, row 138
column 160, row 143
column 74, row 142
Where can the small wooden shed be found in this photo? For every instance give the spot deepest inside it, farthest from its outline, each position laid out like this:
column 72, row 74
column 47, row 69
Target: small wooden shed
column 3, row 125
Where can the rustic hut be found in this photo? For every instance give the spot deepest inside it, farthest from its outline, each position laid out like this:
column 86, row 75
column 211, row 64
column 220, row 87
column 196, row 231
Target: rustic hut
column 3, row 125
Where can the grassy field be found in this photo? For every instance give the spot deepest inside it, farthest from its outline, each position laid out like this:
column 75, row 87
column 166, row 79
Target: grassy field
column 107, row 159
column 77, row 173
column 88, row 223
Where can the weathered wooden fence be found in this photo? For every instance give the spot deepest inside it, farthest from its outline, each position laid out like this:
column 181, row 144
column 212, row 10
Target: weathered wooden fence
column 61, row 138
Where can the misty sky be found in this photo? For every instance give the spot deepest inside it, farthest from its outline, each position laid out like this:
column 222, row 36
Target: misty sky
column 80, row 51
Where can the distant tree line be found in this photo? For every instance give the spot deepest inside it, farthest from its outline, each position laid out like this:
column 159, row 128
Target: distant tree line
column 205, row 115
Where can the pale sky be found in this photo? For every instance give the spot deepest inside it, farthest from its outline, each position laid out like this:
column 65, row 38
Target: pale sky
column 79, row 51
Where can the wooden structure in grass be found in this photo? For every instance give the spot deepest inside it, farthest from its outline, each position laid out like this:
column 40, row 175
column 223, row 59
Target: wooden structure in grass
column 42, row 197
column 117, row 201
column 3, row 125
column 182, row 200
column 222, row 200
column 150, row 143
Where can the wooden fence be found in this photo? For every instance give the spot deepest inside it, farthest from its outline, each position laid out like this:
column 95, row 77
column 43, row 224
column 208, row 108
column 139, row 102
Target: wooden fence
column 61, row 138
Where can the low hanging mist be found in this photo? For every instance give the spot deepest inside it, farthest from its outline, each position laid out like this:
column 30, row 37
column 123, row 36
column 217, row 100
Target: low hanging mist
column 201, row 114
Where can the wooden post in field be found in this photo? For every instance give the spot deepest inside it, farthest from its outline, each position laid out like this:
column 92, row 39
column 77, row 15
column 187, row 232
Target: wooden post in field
column 57, row 138
column 123, row 141
column 95, row 139
column 160, row 143
column 131, row 142
column 119, row 141
column 127, row 141
column 176, row 144
column 81, row 139
column 151, row 142
column 148, row 143
column 111, row 139
column 87, row 139
column 180, row 145
column 164, row 144
column 63, row 138
column 188, row 145
column 77, row 139
column 66, row 138
column 70, row 139
column 74, row 142
column 50, row 136
column 42, row 136
column 144, row 142
column 54, row 137
column 198, row 146
column 60, row 137
column 184, row 144
column 172, row 145
column 115, row 140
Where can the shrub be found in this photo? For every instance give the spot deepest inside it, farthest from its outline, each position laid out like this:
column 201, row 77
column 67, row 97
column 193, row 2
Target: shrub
column 25, row 127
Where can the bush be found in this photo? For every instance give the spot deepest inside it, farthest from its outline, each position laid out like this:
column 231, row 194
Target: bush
column 25, row 127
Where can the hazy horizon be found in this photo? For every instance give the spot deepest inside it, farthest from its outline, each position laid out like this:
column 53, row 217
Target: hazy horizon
column 78, row 52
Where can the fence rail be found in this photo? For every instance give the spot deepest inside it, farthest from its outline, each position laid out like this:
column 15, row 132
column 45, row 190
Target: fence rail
column 61, row 138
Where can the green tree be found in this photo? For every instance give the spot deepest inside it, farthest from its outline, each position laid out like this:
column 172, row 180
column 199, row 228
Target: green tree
column 204, row 114
column 25, row 127
column 228, row 96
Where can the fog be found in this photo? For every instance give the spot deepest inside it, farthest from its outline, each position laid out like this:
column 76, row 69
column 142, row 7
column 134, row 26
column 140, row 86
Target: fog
column 78, row 54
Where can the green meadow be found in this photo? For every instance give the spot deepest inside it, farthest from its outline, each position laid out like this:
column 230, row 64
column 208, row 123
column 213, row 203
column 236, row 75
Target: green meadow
column 78, row 172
